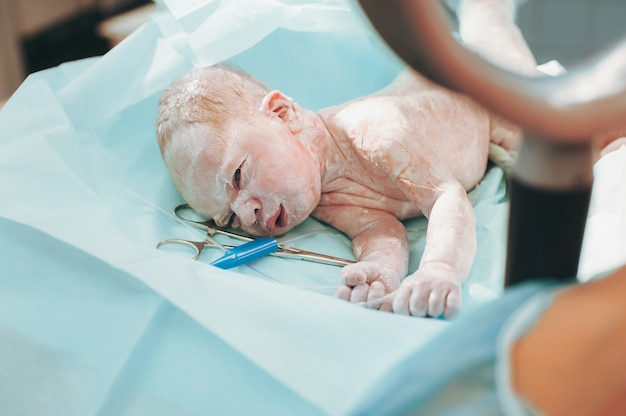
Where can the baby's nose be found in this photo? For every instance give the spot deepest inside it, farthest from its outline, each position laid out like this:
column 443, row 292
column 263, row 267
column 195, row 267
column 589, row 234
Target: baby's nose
column 247, row 210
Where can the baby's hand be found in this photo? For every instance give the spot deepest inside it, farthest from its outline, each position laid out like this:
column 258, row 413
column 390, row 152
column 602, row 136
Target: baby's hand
column 429, row 292
column 367, row 281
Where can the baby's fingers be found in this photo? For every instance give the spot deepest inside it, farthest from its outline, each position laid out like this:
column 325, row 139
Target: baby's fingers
column 421, row 299
column 354, row 294
column 343, row 293
column 437, row 302
column 359, row 273
column 412, row 299
column 400, row 303
column 453, row 304
column 359, row 293
column 377, row 291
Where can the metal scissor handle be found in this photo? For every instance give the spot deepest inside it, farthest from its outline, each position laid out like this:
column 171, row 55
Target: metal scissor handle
column 206, row 225
column 197, row 246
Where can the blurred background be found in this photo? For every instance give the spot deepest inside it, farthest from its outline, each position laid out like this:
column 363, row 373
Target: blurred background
column 38, row 34
column 571, row 30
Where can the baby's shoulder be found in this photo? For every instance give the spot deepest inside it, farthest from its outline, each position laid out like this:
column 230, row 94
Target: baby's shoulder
column 374, row 107
column 366, row 117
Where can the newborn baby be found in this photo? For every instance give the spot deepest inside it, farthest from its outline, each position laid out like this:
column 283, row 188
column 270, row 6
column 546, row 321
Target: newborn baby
column 249, row 157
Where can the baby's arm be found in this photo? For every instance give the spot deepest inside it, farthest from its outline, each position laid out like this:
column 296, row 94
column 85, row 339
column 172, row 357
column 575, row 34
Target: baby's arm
column 435, row 288
column 379, row 242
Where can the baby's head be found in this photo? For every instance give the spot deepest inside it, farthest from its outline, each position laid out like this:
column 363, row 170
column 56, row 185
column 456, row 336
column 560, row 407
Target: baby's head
column 231, row 147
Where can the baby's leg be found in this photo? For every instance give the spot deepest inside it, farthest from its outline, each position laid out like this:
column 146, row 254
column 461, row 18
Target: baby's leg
column 488, row 27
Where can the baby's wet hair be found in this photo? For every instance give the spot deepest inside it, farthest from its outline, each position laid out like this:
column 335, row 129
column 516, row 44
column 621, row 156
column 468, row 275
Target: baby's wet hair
column 212, row 96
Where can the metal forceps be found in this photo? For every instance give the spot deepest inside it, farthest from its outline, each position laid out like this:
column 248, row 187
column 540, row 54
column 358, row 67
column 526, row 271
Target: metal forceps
column 251, row 249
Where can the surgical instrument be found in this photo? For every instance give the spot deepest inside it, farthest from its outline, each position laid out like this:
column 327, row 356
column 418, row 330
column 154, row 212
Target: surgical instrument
column 252, row 248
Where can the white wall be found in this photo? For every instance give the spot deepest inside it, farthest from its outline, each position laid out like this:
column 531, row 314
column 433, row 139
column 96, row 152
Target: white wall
column 571, row 30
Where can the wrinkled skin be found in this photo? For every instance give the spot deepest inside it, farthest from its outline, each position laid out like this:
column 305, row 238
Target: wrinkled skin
column 411, row 149
column 416, row 149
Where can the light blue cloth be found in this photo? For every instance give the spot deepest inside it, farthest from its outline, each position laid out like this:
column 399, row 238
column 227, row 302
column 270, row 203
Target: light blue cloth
column 95, row 320
column 464, row 370
column 79, row 336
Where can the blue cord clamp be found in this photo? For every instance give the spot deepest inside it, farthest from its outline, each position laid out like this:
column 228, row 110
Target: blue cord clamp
column 246, row 252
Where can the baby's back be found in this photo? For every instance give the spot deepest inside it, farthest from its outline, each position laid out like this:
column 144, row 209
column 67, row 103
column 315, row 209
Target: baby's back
column 414, row 114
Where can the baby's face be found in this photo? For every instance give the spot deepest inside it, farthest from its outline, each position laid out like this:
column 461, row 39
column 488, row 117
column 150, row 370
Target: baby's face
column 260, row 179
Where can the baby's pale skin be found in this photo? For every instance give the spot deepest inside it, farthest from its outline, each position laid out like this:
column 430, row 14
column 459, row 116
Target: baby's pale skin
column 411, row 149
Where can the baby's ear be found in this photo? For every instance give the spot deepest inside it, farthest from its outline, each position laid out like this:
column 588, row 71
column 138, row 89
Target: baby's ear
column 279, row 104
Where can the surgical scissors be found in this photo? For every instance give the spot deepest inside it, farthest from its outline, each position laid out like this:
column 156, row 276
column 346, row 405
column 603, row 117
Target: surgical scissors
column 263, row 246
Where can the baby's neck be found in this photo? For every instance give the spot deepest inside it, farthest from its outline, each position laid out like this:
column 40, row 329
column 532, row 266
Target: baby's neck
column 320, row 141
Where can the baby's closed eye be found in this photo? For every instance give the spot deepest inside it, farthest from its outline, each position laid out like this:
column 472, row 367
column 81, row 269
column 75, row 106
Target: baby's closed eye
column 237, row 178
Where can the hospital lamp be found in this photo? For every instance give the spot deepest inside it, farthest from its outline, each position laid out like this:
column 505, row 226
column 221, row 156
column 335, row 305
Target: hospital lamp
column 551, row 183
